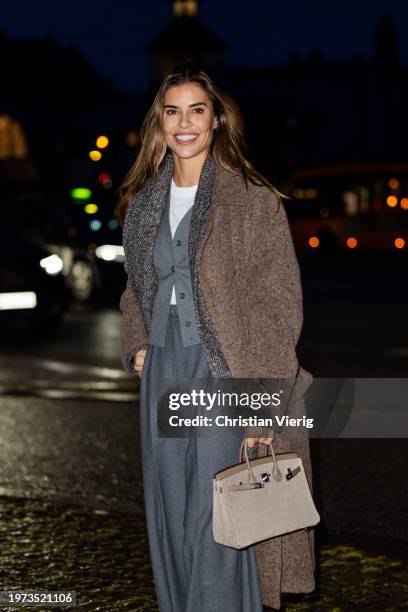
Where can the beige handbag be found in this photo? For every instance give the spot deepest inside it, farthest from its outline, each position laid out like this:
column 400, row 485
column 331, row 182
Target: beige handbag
column 260, row 499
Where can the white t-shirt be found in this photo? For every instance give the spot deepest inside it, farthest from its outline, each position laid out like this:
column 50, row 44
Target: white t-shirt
column 181, row 200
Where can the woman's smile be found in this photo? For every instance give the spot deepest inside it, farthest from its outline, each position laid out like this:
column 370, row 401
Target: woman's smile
column 185, row 138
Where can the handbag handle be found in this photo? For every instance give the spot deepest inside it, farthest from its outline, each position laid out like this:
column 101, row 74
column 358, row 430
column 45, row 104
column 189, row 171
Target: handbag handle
column 276, row 473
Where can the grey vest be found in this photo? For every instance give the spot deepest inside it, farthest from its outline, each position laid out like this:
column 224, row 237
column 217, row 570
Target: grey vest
column 171, row 262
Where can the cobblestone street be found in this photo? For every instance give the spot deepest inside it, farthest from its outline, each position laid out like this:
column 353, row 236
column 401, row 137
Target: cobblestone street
column 103, row 556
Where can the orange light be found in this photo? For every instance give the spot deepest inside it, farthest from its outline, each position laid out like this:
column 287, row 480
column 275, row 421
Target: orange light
column 393, row 183
column 351, row 242
column 392, row 201
column 132, row 138
column 399, row 243
column 404, row 203
column 314, row 242
column 102, row 142
column 95, row 155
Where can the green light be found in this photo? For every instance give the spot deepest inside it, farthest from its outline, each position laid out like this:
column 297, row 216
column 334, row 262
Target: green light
column 80, row 193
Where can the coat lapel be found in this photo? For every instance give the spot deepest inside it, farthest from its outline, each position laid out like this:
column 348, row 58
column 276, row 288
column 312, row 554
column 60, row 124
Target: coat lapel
column 141, row 227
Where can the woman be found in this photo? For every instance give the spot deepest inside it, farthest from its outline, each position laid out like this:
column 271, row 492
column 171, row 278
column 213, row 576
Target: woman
column 213, row 291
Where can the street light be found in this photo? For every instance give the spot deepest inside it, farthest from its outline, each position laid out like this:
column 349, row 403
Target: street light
column 102, row 142
column 95, row 155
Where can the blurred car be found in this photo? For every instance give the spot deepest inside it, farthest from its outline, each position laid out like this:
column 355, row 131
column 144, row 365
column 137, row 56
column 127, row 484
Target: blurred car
column 33, row 291
column 43, row 219
column 354, row 207
column 79, row 268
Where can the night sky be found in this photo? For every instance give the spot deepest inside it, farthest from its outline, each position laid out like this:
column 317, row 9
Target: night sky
column 112, row 35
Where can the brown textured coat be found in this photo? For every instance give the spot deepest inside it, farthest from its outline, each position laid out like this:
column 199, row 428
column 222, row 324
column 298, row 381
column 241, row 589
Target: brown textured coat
column 251, row 282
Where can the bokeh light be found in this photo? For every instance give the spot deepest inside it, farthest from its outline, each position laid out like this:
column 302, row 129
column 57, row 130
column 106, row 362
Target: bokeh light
column 95, row 155
column 95, row 225
column 102, row 142
column 392, row 201
column 80, row 193
column 91, row 209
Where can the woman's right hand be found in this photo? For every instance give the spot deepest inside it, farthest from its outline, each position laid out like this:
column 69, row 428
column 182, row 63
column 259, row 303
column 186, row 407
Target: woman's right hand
column 252, row 441
column 139, row 361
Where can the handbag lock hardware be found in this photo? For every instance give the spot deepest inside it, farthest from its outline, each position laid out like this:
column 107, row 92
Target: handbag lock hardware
column 253, row 485
column 293, row 473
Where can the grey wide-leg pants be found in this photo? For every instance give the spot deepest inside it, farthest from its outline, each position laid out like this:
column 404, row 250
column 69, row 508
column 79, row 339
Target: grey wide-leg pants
column 192, row 573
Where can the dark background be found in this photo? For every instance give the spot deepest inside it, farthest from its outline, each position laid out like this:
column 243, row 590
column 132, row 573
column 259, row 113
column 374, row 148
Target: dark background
column 322, row 89
column 113, row 36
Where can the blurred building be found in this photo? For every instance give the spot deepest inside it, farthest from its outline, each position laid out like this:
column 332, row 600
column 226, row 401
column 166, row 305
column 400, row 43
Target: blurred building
column 186, row 38
column 15, row 166
column 333, row 135
column 312, row 126
column 308, row 111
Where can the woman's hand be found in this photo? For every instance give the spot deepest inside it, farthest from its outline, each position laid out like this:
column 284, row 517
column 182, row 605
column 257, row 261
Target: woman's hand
column 252, row 441
column 139, row 361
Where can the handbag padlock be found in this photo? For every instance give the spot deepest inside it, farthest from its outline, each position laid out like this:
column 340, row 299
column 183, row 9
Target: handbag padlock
column 293, row 473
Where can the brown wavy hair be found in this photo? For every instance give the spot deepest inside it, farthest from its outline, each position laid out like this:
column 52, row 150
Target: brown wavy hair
column 226, row 146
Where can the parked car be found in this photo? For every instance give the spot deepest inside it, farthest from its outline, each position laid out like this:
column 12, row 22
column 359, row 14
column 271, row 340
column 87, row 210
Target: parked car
column 43, row 219
column 33, row 291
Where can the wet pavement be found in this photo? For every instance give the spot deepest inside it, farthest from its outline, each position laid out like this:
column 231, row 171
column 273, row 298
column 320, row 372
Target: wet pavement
column 102, row 555
column 72, row 513
column 72, row 451
column 71, row 493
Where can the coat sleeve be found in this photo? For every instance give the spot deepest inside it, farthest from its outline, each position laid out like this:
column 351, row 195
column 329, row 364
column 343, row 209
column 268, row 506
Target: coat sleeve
column 133, row 334
column 271, row 296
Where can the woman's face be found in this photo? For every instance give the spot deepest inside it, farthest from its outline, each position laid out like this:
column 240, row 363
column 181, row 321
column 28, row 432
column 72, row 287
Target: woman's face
column 188, row 120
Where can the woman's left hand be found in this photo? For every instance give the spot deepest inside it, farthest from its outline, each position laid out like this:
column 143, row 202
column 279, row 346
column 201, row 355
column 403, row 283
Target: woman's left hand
column 253, row 441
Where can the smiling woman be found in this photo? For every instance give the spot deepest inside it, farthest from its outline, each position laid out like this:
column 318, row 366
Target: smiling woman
column 188, row 125
column 188, row 117
column 202, row 231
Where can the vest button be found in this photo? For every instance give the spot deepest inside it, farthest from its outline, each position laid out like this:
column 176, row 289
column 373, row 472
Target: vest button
column 178, row 242
column 182, row 295
column 172, row 268
column 188, row 323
